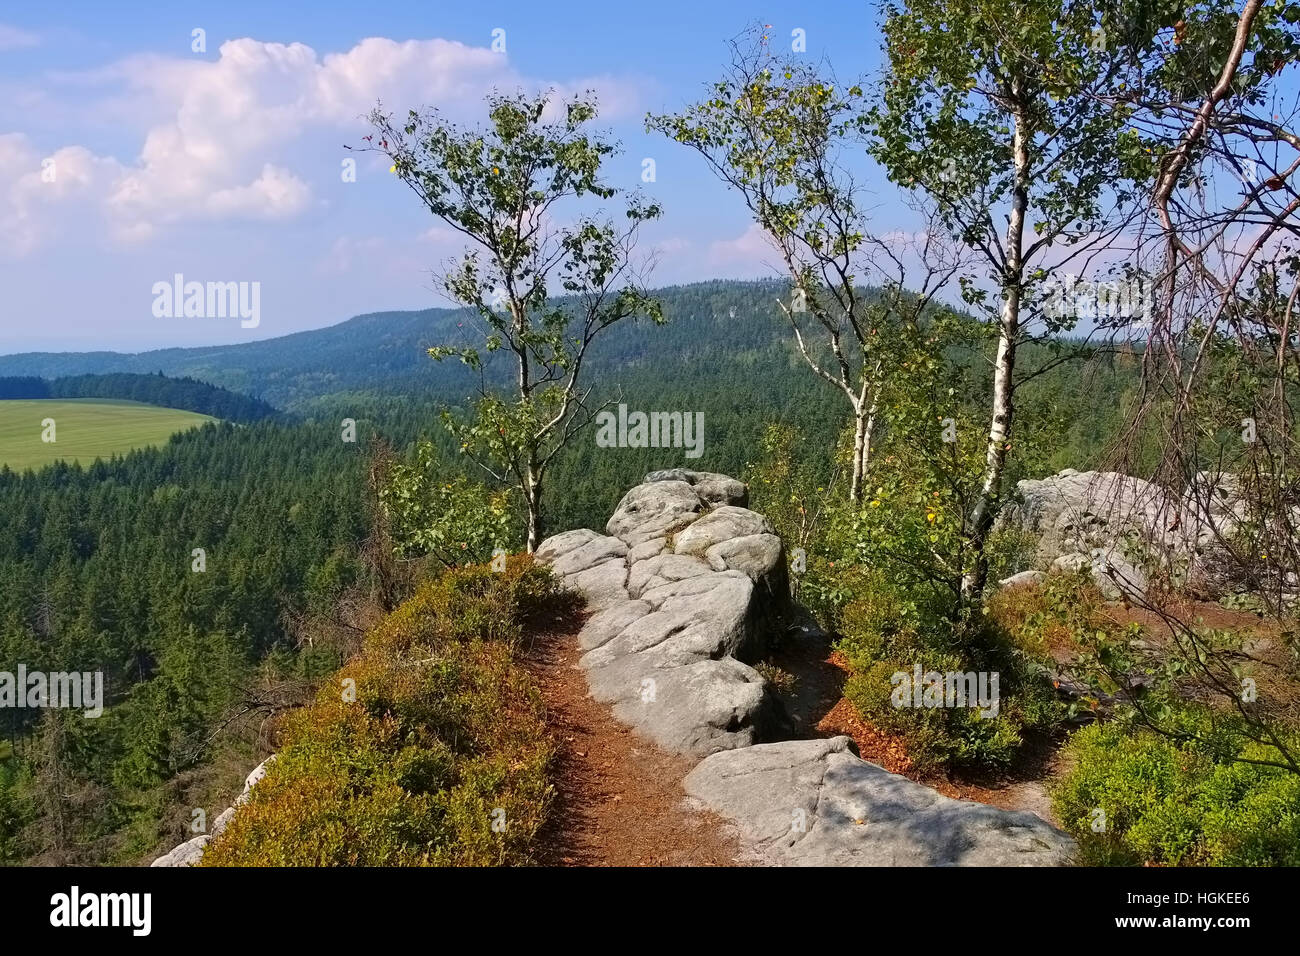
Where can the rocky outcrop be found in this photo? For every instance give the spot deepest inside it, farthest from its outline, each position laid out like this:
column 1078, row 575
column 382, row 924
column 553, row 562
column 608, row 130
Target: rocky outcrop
column 1125, row 530
column 689, row 586
column 814, row 803
column 190, row 853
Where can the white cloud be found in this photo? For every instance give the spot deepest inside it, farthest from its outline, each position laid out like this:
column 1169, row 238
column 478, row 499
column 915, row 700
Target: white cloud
column 224, row 133
column 13, row 38
column 752, row 247
column 37, row 184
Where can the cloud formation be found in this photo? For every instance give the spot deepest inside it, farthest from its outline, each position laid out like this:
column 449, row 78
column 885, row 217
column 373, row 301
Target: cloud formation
column 230, row 133
column 12, row 38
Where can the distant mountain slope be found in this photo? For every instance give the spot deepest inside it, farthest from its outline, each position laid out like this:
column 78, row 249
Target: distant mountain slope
column 186, row 394
column 722, row 320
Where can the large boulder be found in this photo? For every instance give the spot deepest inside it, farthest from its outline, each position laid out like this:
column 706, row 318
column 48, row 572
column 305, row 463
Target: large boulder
column 654, row 510
column 689, row 589
column 714, row 488
column 815, row 803
column 721, row 524
column 1126, row 530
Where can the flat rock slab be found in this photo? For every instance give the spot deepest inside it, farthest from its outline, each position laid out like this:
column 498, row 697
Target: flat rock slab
column 815, row 803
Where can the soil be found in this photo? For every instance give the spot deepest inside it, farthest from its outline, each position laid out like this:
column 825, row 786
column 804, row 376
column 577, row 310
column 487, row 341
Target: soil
column 619, row 798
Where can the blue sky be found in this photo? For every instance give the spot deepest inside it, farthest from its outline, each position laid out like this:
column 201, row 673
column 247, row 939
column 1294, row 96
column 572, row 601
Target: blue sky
column 225, row 165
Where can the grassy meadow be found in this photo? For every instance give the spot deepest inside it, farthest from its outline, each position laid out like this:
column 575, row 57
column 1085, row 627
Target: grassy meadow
column 85, row 429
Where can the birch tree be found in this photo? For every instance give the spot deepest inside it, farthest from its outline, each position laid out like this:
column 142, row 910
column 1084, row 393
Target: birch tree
column 777, row 131
column 505, row 188
column 1003, row 116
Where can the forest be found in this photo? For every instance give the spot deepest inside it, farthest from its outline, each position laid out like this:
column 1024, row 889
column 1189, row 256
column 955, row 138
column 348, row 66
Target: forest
column 895, row 404
column 184, row 393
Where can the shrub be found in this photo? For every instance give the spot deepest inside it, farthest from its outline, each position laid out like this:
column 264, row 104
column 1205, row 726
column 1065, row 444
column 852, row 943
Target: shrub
column 432, row 509
column 1062, row 613
column 885, row 632
column 444, row 738
column 1173, row 803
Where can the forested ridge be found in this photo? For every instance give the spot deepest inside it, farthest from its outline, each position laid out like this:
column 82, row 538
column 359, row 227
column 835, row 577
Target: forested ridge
column 97, row 562
column 99, row 574
column 188, row 394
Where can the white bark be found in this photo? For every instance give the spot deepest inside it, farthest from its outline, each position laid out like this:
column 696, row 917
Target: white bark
column 1003, row 404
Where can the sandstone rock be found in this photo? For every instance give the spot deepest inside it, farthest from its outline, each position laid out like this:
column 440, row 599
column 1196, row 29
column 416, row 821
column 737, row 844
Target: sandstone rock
column 254, row 777
column 662, row 569
column 814, row 803
column 596, row 551
column 1115, row 577
column 647, row 550
column 762, row 559
column 711, row 622
column 702, row 708
column 714, row 488
column 1023, row 578
column 673, row 630
column 604, row 585
column 222, row 821
column 719, row 525
column 757, row 555
column 561, row 544
column 654, row 510
column 611, row 622
column 1125, row 528
column 189, row 853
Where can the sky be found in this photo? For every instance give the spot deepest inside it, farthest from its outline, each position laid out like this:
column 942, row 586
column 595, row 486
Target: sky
column 225, row 164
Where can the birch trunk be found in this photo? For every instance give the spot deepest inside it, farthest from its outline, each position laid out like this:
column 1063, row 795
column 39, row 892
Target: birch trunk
column 1003, row 410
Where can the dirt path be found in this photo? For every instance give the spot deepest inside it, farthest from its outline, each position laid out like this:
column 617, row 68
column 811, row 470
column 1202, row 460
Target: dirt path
column 620, row 797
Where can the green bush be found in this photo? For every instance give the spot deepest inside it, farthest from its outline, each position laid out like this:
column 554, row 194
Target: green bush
column 885, row 632
column 1172, row 803
column 444, row 741
column 885, row 576
column 434, row 510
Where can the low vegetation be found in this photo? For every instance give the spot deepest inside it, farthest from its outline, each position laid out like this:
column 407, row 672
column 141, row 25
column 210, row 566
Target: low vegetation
column 427, row 749
column 1134, row 797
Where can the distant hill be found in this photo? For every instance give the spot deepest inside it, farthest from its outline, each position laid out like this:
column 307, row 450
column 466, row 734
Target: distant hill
column 186, row 394
column 724, row 321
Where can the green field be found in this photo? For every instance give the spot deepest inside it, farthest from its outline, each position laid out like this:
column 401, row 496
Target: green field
column 85, row 429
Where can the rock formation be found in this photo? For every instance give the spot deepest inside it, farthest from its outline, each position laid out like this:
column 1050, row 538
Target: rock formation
column 814, row 803
column 1124, row 529
column 688, row 586
column 190, row 853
